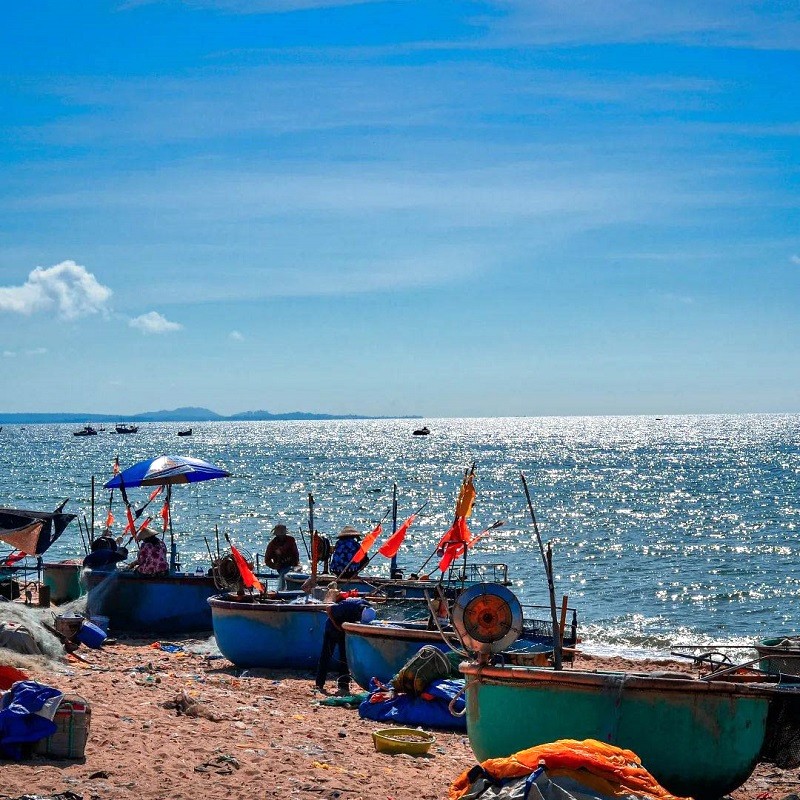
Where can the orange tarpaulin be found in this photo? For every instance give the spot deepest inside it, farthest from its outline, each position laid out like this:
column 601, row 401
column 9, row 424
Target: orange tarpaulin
column 614, row 767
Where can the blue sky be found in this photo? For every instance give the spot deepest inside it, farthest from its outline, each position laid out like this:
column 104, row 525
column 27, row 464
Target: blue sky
column 517, row 207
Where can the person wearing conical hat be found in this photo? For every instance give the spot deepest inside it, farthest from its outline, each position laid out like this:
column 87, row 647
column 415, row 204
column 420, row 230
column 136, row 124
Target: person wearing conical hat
column 347, row 543
column 152, row 558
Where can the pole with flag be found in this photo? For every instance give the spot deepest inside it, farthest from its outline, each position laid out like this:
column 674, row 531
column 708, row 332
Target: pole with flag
column 393, row 564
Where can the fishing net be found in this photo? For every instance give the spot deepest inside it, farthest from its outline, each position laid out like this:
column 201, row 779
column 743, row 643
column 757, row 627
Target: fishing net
column 31, row 620
column 782, row 741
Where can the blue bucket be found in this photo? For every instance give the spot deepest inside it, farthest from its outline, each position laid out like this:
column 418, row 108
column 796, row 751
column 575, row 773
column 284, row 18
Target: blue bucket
column 90, row 635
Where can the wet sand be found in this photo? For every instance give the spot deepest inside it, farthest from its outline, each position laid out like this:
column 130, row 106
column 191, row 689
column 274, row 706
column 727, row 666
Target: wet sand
column 269, row 737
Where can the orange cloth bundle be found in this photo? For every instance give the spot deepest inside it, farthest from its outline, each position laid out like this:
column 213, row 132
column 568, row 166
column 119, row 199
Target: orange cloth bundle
column 612, row 771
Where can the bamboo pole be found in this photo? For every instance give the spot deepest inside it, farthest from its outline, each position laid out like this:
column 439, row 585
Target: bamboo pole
column 547, row 560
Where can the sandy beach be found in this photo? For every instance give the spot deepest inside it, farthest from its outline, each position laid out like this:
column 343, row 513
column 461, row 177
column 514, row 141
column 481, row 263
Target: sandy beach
column 259, row 734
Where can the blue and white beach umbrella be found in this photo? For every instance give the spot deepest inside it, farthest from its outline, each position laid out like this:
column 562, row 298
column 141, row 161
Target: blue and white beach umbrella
column 166, row 470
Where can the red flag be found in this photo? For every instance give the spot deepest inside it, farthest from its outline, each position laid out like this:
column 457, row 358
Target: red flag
column 143, row 526
column 392, row 544
column 155, row 493
column 109, row 521
column 249, row 580
column 13, row 558
column 369, row 540
column 165, row 515
column 454, row 543
column 131, row 526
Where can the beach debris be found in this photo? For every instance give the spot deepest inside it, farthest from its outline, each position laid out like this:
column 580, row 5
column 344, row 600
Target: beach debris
column 60, row 796
column 192, row 707
column 167, row 647
column 223, row 764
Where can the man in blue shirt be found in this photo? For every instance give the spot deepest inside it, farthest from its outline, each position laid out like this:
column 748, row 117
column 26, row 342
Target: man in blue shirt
column 349, row 608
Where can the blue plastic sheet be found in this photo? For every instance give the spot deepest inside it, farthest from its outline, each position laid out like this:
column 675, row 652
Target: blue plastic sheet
column 431, row 710
column 20, row 720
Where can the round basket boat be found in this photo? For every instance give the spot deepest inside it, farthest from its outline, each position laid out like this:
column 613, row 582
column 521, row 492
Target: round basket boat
column 403, row 740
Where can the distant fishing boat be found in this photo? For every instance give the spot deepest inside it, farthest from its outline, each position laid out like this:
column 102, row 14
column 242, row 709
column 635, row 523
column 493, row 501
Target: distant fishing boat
column 127, row 428
column 187, row 432
column 424, row 431
column 87, row 430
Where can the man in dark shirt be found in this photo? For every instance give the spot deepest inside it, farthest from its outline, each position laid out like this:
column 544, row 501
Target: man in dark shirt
column 348, row 609
column 281, row 554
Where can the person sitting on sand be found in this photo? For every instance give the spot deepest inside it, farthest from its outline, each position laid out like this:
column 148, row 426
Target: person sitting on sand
column 347, row 544
column 350, row 608
column 152, row 558
column 281, row 554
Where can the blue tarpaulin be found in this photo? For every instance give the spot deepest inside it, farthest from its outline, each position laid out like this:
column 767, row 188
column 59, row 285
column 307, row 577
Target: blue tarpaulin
column 21, row 720
column 431, row 709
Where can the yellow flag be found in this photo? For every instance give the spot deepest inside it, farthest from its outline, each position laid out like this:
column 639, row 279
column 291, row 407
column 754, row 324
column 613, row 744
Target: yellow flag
column 466, row 497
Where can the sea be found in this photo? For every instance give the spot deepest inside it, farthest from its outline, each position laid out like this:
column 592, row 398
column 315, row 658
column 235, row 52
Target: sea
column 668, row 533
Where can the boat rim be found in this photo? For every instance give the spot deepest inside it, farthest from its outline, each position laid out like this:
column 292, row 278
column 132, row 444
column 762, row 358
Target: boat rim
column 635, row 681
column 220, row 602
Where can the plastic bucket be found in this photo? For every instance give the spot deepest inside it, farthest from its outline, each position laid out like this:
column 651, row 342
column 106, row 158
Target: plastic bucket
column 68, row 624
column 90, row 635
column 101, row 622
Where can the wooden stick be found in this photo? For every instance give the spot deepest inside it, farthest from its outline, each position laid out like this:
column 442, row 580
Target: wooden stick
column 547, row 560
column 563, row 622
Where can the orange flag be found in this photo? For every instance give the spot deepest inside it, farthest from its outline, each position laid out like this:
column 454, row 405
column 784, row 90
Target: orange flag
column 131, row 526
column 369, row 540
column 165, row 515
column 109, row 521
column 249, row 580
column 454, row 543
column 155, row 493
column 392, row 544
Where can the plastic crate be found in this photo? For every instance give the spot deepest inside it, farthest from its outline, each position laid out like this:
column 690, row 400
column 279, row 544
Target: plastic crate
column 69, row 741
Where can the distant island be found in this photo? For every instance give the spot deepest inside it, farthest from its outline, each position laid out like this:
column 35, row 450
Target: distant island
column 185, row 414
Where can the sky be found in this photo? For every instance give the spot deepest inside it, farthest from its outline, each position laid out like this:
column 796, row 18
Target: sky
column 500, row 208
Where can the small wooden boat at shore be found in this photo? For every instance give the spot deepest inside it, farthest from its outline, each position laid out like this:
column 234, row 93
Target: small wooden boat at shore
column 380, row 649
column 168, row 604
column 187, row 432
column 699, row 738
column 275, row 633
column 456, row 581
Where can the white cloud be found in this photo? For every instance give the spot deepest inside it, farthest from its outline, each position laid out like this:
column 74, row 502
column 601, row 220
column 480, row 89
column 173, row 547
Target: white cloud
column 236, row 336
column 36, row 351
column 67, row 288
column 153, row 322
column 9, row 354
column 795, row 259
